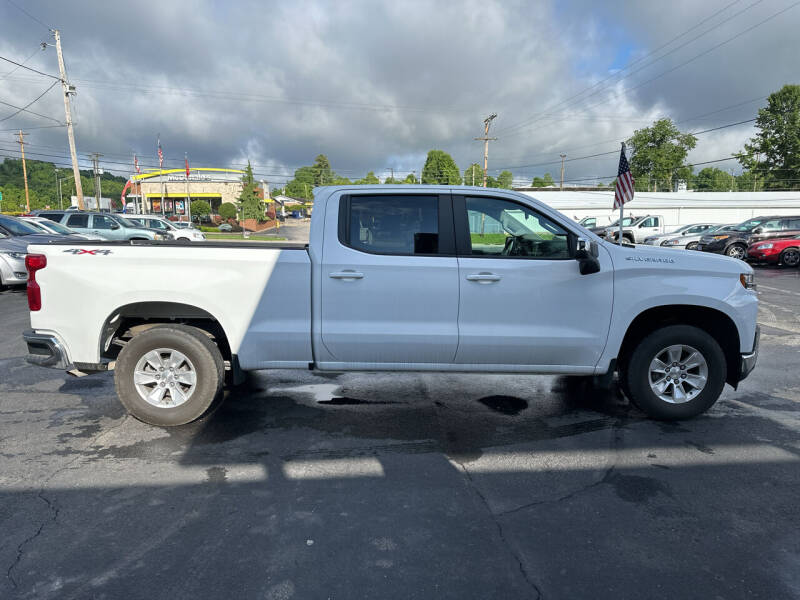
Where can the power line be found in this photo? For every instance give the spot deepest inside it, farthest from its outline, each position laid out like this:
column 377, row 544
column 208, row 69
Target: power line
column 20, row 65
column 25, row 108
column 704, row 53
column 5, row 75
column 568, row 100
column 30, row 111
column 555, row 162
column 18, row 7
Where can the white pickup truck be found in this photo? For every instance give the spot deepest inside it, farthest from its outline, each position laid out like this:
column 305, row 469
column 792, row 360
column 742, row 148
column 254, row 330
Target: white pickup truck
column 396, row 278
column 638, row 230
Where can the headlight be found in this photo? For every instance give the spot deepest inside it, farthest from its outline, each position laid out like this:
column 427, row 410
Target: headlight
column 15, row 255
column 720, row 237
column 763, row 246
column 159, row 236
column 747, row 281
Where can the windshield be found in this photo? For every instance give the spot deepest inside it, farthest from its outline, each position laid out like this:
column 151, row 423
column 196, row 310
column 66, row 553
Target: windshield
column 625, row 222
column 18, row 227
column 59, row 228
column 124, row 222
column 749, row 225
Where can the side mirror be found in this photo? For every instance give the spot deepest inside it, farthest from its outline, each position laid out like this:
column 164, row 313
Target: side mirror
column 115, row 226
column 586, row 254
column 758, row 230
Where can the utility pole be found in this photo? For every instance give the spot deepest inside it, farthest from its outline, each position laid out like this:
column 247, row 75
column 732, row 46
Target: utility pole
column 755, row 171
column 486, row 139
column 21, row 143
column 98, row 192
column 563, row 156
column 60, row 198
column 69, row 89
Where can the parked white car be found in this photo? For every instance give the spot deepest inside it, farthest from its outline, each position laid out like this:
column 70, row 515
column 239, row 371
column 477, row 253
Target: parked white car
column 168, row 228
column 694, row 229
column 397, row 278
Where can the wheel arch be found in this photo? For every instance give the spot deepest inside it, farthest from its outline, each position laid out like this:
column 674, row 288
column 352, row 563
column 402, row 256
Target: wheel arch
column 716, row 323
column 138, row 316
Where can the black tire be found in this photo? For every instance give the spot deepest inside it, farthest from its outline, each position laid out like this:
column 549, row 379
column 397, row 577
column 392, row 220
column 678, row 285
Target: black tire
column 183, row 240
column 195, row 345
column 790, row 257
column 736, row 251
column 637, row 373
column 691, row 246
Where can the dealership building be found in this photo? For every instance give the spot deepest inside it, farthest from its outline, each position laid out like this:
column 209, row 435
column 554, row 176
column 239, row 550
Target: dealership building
column 215, row 186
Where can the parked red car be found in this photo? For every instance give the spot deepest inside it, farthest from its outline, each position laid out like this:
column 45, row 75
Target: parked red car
column 785, row 252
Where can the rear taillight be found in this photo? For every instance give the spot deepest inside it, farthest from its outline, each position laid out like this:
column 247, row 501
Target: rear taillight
column 34, row 262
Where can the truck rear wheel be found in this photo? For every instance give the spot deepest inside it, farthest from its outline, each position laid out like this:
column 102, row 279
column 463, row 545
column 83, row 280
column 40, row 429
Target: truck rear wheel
column 169, row 375
column 676, row 372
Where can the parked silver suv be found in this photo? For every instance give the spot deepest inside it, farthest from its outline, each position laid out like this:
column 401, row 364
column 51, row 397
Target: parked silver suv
column 106, row 225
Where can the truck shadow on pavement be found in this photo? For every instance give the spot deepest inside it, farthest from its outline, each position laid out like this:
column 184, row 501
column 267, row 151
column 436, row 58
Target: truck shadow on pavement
column 404, row 484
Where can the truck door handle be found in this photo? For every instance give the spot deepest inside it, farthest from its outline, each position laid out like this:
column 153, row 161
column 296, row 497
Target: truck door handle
column 346, row 275
column 484, row 277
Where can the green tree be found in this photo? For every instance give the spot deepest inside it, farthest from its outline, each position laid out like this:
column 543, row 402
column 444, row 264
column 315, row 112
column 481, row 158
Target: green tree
column 227, row 210
column 249, row 202
column 774, row 153
column 712, row 179
column 321, row 170
column 540, row 182
column 658, row 152
column 473, row 175
column 200, row 208
column 307, row 178
column 411, row 178
column 369, row 179
column 440, row 168
column 750, row 181
column 491, row 182
column 505, row 180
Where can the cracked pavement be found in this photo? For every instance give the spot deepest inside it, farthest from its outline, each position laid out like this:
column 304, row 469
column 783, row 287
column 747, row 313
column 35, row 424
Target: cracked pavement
column 403, row 485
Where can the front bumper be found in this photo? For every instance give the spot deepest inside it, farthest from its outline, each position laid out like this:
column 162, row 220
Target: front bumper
column 12, row 271
column 766, row 256
column 717, row 246
column 45, row 350
column 748, row 361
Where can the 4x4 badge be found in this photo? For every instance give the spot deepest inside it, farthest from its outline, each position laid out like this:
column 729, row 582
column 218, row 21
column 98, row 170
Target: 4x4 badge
column 78, row 251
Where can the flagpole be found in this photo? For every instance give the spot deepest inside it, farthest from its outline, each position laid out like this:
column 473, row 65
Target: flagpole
column 188, row 210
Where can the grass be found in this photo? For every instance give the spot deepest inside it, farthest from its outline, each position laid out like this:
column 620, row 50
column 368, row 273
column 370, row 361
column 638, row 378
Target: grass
column 495, row 239
column 237, row 237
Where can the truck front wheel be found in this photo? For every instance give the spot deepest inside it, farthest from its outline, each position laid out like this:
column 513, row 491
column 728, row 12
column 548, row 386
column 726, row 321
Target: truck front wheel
column 169, row 375
column 676, row 372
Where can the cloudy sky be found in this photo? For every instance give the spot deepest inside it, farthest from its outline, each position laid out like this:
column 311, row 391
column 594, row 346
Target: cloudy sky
column 375, row 85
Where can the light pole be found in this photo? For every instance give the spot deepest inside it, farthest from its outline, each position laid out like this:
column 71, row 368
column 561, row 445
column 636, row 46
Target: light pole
column 60, row 198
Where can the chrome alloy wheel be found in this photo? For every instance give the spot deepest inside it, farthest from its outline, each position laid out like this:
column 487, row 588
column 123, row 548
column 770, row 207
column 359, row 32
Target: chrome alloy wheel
column 678, row 374
column 165, row 378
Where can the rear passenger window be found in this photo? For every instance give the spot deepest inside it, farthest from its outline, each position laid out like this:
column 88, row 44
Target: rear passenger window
column 53, row 216
column 394, row 224
column 793, row 224
column 78, row 221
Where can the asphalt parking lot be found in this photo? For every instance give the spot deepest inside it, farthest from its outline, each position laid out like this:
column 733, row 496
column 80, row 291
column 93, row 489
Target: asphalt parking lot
column 403, row 486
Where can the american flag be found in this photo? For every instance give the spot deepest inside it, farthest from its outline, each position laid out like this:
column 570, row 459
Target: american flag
column 623, row 192
column 160, row 155
column 136, row 164
column 186, row 158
